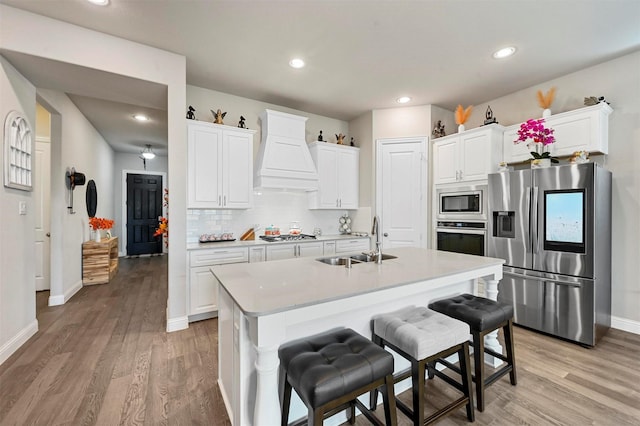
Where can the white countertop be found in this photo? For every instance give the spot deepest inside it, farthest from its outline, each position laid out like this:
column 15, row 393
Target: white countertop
column 268, row 287
column 259, row 242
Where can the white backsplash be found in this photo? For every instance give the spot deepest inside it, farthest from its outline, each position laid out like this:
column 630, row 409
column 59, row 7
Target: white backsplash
column 272, row 207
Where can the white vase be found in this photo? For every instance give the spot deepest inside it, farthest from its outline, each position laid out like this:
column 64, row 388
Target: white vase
column 461, row 128
column 546, row 113
column 96, row 236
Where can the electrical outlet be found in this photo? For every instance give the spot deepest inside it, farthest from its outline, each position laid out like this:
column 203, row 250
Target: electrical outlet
column 22, row 207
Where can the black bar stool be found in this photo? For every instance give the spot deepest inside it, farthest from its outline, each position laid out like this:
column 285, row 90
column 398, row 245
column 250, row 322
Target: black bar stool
column 483, row 316
column 425, row 337
column 330, row 370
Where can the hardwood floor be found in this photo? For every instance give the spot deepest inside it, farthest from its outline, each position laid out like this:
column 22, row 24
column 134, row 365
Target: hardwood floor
column 104, row 358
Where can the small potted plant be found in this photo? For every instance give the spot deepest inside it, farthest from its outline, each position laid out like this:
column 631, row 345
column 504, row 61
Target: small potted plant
column 539, row 140
column 98, row 223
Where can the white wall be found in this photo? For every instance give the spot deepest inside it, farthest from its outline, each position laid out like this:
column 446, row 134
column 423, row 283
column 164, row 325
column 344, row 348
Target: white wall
column 17, row 277
column 619, row 82
column 75, row 45
column 80, row 146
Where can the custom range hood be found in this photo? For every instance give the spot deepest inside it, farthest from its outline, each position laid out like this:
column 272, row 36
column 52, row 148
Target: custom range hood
column 284, row 160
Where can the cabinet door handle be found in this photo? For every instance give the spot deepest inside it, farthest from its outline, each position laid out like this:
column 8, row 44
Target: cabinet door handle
column 219, row 200
column 460, row 174
column 337, row 202
column 225, row 200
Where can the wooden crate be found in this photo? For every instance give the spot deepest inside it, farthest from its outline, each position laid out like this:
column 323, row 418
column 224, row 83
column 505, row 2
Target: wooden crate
column 99, row 261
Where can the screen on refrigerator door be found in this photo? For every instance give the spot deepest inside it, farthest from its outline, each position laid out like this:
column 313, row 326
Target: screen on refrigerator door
column 564, row 220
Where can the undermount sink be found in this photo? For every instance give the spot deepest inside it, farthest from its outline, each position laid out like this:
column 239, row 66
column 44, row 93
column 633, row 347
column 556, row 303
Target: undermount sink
column 354, row 259
column 371, row 258
column 337, row 261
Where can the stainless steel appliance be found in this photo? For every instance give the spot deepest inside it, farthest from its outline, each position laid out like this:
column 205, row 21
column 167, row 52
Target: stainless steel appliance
column 287, row 237
column 462, row 203
column 462, row 237
column 553, row 228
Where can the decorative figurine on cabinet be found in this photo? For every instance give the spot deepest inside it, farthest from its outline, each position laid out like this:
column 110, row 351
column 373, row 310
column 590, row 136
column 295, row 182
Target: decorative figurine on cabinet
column 488, row 116
column 352, row 142
column 340, row 138
column 592, row 100
column 241, row 123
column 438, row 130
column 218, row 116
column 320, row 138
column 190, row 113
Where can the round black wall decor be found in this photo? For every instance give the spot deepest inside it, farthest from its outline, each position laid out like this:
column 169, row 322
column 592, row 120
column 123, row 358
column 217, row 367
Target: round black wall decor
column 92, row 198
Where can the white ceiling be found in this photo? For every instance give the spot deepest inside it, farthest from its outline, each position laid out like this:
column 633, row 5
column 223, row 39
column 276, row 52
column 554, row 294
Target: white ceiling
column 361, row 55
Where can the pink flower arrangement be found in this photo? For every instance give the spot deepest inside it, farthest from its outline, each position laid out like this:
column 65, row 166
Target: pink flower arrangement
column 535, row 130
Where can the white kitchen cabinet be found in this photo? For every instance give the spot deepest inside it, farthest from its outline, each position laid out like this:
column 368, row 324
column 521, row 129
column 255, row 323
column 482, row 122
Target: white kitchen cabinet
column 329, row 248
column 584, row 129
column 257, row 254
column 219, row 166
column 468, row 156
column 338, row 174
column 203, row 286
column 353, row 245
column 291, row 250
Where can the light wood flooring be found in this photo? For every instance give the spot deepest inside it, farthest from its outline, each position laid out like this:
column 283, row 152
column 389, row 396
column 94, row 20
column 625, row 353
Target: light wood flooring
column 105, row 358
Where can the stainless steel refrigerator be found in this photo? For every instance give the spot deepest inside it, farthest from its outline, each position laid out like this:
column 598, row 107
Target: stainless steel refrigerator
column 553, row 228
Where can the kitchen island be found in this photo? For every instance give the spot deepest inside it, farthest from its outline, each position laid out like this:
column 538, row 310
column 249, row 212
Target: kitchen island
column 263, row 305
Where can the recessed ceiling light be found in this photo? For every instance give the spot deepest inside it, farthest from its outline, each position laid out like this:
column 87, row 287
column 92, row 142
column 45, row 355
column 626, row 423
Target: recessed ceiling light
column 141, row 117
column 504, row 52
column 296, row 63
column 99, row 2
column 403, row 100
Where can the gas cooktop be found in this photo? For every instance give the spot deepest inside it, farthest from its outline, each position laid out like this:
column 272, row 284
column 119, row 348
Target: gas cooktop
column 287, row 237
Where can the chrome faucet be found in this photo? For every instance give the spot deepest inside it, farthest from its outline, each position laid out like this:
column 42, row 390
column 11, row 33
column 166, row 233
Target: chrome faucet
column 375, row 230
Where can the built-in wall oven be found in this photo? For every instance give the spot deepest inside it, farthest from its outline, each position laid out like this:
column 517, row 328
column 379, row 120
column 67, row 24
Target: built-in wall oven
column 461, row 224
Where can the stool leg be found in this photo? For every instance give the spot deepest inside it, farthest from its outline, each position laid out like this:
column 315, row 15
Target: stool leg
column 286, row 402
column 478, row 357
column 316, row 417
column 373, row 395
column 467, row 385
column 352, row 413
column 417, row 377
column 511, row 358
column 389, row 401
column 431, row 366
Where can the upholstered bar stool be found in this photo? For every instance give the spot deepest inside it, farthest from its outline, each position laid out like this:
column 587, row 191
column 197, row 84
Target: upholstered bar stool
column 330, row 370
column 483, row 316
column 425, row 337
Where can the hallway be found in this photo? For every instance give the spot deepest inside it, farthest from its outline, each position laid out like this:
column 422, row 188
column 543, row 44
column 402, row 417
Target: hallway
column 105, row 358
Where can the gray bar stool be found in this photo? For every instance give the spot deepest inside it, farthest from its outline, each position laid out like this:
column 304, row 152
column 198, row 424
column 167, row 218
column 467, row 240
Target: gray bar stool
column 425, row 337
column 330, row 370
column 483, row 316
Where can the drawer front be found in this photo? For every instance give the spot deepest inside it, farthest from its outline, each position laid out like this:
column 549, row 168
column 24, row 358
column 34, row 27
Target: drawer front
column 218, row 256
column 355, row 245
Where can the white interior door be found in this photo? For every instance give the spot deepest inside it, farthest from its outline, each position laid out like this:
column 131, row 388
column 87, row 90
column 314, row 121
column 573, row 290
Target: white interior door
column 401, row 185
column 42, row 192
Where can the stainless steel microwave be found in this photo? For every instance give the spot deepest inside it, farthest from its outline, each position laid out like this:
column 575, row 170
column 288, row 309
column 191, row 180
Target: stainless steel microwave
column 462, row 203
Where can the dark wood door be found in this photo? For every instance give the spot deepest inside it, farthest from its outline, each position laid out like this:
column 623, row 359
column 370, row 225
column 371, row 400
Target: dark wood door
column 144, row 207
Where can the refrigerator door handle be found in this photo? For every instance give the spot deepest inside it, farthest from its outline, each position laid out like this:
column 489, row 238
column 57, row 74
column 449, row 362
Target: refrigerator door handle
column 545, row 279
column 527, row 236
column 534, row 220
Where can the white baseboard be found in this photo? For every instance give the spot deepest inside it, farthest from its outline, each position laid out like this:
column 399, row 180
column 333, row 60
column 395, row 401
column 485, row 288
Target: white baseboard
column 176, row 324
column 625, row 325
column 18, row 340
column 64, row 298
